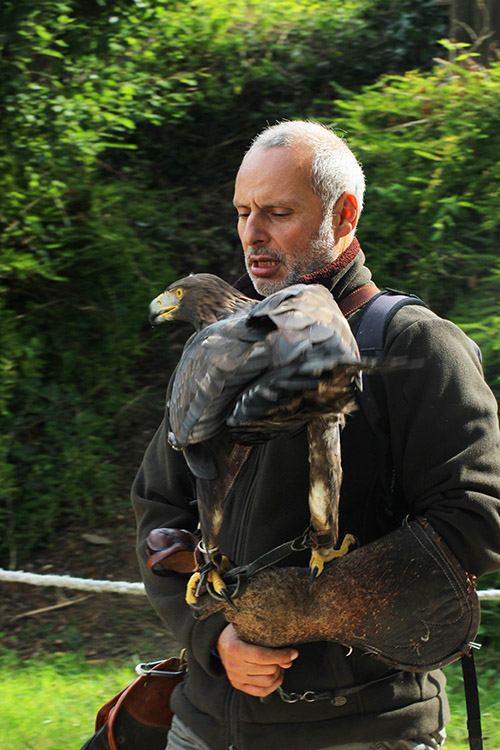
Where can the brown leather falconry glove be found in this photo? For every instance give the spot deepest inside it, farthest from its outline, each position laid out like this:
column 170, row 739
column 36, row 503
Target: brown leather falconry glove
column 404, row 599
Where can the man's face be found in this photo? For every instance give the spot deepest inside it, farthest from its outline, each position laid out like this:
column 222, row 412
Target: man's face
column 280, row 218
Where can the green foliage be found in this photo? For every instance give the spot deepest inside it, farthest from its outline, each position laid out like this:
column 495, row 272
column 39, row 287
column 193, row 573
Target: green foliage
column 52, row 704
column 489, row 635
column 429, row 145
column 70, row 338
column 398, row 35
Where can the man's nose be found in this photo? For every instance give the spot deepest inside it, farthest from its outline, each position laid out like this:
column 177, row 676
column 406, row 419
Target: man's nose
column 254, row 231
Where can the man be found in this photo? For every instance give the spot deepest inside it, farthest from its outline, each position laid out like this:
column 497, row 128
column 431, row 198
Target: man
column 299, row 194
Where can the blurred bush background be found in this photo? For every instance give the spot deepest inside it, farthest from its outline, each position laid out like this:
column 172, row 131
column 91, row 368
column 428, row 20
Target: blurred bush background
column 123, row 123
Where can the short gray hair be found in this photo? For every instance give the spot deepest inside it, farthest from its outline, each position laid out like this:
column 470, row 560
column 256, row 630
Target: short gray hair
column 334, row 168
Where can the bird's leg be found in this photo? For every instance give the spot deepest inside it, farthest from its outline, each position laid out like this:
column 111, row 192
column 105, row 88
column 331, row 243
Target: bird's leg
column 325, row 478
column 211, row 563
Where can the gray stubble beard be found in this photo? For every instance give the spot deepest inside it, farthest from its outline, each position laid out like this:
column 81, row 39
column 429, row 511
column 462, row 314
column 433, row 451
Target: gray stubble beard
column 321, row 252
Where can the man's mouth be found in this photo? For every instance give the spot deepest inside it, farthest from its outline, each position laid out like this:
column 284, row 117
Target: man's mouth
column 263, row 265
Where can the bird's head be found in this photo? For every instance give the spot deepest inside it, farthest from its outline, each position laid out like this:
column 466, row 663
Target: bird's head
column 200, row 299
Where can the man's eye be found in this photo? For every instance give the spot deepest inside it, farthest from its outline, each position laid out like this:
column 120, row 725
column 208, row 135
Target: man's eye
column 242, row 215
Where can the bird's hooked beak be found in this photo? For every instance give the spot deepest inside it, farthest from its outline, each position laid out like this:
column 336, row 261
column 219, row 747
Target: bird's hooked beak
column 163, row 307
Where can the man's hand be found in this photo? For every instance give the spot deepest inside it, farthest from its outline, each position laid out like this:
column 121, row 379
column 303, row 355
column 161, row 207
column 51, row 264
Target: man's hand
column 252, row 669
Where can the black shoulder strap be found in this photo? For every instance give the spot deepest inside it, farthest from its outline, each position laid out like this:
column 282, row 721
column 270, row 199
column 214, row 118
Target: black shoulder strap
column 370, row 336
column 377, row 315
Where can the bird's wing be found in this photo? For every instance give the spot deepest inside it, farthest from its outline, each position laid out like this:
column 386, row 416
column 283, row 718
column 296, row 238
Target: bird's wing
column 314, row 360
column 239, row 370
column 216, row 364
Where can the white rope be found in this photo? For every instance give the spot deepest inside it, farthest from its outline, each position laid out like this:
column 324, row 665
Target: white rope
column 489, row 594
column 120, row 587
column 68, row 582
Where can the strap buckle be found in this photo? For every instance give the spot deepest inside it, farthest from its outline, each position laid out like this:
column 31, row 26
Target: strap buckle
column 310, row 696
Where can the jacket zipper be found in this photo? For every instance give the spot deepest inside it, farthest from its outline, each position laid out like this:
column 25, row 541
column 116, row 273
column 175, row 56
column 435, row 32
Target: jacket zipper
column 240, row 535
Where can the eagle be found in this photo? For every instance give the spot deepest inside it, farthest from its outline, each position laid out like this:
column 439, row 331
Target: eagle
column 254, row 370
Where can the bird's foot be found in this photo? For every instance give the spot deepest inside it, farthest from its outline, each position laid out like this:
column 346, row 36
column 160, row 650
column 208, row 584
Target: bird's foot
column 210, row 577
column 218, row 589
column 323, row 555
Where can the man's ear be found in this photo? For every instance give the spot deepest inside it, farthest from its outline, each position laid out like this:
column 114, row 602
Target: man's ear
column 345, row 215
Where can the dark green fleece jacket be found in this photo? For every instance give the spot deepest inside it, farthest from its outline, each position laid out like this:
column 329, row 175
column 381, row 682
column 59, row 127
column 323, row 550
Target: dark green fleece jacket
column 445, row 444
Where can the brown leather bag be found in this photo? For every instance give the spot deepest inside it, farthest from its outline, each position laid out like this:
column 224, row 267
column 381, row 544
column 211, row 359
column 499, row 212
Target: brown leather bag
column 139, row 715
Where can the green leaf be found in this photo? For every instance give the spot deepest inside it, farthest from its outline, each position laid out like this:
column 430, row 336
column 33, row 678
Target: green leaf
column 52, row 53
column 43, row 33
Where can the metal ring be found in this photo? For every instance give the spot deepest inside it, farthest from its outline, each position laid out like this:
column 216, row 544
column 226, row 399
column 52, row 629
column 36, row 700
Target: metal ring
column 288, row 697
column 309, row 696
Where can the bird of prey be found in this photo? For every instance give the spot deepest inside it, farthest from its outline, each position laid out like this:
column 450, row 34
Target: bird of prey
column 252, row 371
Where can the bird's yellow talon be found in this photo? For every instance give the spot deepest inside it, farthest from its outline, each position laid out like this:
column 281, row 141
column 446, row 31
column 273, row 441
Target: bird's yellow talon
column 316, row 563
column 217, row 583
column 191, row 587
column 324, row 555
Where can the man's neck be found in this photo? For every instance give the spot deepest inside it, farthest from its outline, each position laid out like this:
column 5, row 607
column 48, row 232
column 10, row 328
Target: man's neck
column 333, row 268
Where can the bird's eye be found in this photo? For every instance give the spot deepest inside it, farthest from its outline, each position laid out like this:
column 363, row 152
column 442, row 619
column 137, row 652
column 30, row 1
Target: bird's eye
column 178, row 293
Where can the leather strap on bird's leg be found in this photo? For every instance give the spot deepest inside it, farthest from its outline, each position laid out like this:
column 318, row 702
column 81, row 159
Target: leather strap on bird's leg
column 321, row 538
column 403, row 598
column 323, row 541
